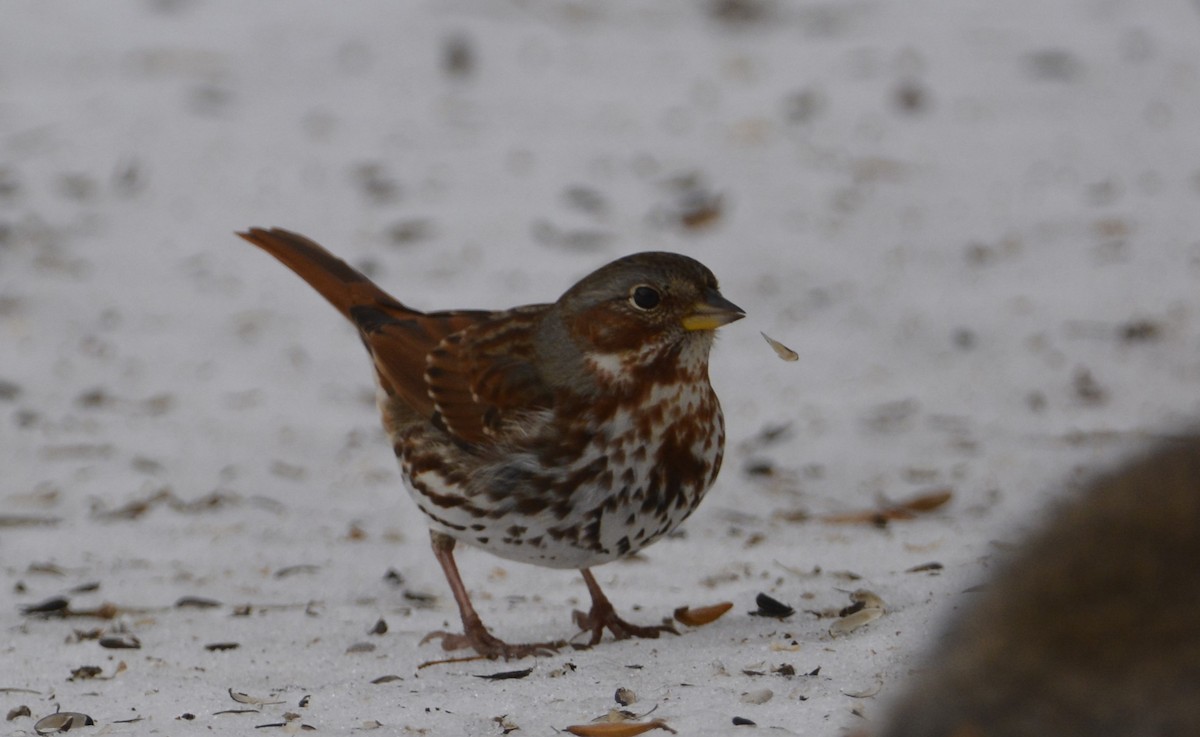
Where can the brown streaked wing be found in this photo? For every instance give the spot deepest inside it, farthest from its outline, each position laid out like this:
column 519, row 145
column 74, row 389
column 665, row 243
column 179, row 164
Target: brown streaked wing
column 400, row 342
column 478, row 377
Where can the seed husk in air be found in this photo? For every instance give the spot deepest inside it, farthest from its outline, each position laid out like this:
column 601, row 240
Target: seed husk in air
column 781, row 350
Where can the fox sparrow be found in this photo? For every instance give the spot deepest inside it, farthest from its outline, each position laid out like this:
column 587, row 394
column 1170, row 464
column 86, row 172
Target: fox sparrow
column 564, row 435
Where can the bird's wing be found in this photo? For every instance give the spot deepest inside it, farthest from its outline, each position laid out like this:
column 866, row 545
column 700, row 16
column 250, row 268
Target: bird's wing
column 486, row 374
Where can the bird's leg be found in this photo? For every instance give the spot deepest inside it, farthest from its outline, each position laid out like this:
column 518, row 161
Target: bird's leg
column 602, row 616
column 475, row 635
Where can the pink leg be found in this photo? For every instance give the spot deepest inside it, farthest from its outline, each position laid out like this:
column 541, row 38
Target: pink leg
column 475, row 635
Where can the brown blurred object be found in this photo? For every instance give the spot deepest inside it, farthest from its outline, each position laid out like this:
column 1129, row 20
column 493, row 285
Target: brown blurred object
column 1091, row 629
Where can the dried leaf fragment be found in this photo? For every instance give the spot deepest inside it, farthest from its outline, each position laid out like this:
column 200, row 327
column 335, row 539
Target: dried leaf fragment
column 781, row 350
column 701, row 616
column 617, row 729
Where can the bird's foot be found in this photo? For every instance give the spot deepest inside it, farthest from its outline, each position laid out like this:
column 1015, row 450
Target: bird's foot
column 603, row 616
column 491, row 647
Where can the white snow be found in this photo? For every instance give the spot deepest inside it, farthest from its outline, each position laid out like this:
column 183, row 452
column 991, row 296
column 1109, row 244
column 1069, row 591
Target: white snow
column 953, row 212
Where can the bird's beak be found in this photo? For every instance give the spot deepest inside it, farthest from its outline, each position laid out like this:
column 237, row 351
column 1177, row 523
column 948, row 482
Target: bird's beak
column 712, row 312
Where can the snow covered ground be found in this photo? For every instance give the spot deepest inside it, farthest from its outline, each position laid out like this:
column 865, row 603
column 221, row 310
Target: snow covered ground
column 978, row 224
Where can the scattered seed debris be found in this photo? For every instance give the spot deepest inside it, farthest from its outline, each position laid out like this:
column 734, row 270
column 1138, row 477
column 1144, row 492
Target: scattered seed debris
column 304, row 701
column 296, row 569
column 1140, row 330
column 63, row 721
column 506, row 675
column 770, row 607
column 759, row 467
column 380, row 628
column 50, row 569
column 564, row 669
column 78, row 451
column 56, row 605
column 865, row 693
column 361, row 647
column 743, row 722
column 851, row 622
column 922, row 568
column 27, row 520
column 781, row 350
column 164, row 497
column 458, row 55
column 420, row 599
column 20, row 711
column 393, row 577
column 196, row 602
column 617, row 729
column 243, row 698
column 1086, row 388
column 85, row 672
column 221, row 646
column 761, row 696
column 625, row 696
column 892, row 511
column 863, row 599
column 121, row 642
column 701, row 615
column 303, row 727
column 387, row 679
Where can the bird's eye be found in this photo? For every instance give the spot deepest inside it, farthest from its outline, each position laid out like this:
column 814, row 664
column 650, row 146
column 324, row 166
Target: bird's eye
column 644, row 297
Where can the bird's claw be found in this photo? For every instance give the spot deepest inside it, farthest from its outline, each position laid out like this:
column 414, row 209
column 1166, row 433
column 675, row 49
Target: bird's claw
column 491, row 647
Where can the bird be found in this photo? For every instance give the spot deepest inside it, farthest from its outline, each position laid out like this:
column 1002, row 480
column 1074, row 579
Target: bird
column 1090, row 628
column 565, row 434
